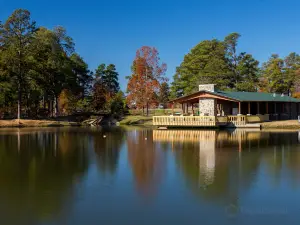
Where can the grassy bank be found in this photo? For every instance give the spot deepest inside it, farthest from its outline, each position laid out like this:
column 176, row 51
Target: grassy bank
column 285, row 124
column 147, row 121
column 136, row 120
column 36, row 123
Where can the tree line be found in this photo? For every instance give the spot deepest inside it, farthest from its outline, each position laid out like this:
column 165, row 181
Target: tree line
column 42, row 75
column 220, row 63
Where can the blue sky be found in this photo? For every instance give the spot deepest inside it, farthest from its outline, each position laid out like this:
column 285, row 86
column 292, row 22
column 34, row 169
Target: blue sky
column 111, row 31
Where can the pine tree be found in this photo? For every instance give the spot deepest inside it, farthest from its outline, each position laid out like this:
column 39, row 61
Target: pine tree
column 111, row 80
column 164, row 94
column 16, row 36
column 272, row 79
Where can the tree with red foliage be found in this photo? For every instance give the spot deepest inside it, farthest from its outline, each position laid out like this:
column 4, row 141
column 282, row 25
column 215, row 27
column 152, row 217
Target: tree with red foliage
column 147, row 74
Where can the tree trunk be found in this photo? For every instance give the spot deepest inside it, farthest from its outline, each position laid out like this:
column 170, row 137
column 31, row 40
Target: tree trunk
column 44, row 102
column 51, row 108
column 147, row 109
column 19, row 102
column 55, row 106
column 56, row 109
column 48, row 108
column 143, row 111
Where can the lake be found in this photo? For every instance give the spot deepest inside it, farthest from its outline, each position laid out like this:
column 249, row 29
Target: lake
column 75, row 176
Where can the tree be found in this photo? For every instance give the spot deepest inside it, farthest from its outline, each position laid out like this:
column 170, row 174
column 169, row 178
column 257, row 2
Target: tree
column 164, row 93
column 230, row 43
column 292, row 72
column 53, row 65
column 111, row 80
column 177, row 87
column 109, row 76
column 81, row 77
column 100, row 96
column 106, row 87
column 16, row 35
column 272, row 78
column 147, row 73
column 117, row 104
column 247, row 70
column 217, row 62
column 206, row 63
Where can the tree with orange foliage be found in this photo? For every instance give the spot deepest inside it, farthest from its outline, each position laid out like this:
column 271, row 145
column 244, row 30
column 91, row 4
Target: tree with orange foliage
column 147, row 74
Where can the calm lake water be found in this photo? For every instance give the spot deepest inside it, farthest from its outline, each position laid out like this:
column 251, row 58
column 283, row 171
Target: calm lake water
column 75, row 176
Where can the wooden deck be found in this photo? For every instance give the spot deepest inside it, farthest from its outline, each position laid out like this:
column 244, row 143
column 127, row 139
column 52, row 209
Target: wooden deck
column 202, row 121
column 185, row 121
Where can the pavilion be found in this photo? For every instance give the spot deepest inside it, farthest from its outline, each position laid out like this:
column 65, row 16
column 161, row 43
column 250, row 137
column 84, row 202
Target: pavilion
column 212, row 102
column 233, row 107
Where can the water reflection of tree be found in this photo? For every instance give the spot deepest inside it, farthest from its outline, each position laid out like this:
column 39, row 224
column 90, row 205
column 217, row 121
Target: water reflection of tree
column 37, row 175
column 107, row 146
column 283, row 158
column 145, row 160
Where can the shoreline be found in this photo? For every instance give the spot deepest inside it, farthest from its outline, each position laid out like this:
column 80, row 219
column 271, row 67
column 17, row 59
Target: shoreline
column 15, row 123
column 140, row 121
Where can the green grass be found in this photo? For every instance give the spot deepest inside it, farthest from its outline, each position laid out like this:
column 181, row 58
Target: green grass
column 136, row 120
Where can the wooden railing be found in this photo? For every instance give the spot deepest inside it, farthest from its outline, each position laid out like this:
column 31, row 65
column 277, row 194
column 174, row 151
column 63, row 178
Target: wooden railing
column 203, row 121
column 237, row 120
column 191, row 121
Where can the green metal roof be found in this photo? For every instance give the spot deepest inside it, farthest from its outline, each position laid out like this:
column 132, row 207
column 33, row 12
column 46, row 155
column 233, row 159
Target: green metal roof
column 256, row 96
column 246, row 96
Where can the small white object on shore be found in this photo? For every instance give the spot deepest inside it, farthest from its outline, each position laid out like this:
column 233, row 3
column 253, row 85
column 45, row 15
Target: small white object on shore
column 145, row 138
column 104, row 136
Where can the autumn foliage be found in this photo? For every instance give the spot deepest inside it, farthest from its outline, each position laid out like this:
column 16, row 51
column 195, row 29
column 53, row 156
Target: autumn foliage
column 144, row 83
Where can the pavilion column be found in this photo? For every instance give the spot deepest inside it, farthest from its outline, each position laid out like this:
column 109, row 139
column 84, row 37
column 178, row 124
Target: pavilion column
column 172, row 108
column 257, row 107
column 275, row 110
column 198, row 106
column 182, row 107
column 249, row 109
column 193, row 108
column 267, row 108
column 187, row 107
column 239, row 107
column 290, row 108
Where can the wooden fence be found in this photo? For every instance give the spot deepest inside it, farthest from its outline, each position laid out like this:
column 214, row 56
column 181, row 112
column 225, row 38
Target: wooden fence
column 237, row 120
column 191, row 121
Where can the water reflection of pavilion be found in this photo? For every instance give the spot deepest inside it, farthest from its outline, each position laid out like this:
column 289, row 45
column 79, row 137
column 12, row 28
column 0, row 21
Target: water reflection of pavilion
column 223, row 165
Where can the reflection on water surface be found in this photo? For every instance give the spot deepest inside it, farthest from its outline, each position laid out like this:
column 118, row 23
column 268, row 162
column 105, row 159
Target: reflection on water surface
column 140, row 176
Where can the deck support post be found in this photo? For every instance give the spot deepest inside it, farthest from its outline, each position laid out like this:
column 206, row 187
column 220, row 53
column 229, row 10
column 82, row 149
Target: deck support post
column 257, row 107
column 240, row 108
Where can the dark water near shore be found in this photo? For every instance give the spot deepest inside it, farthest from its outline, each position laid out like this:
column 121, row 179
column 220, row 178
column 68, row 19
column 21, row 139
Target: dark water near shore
column 95, row 176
